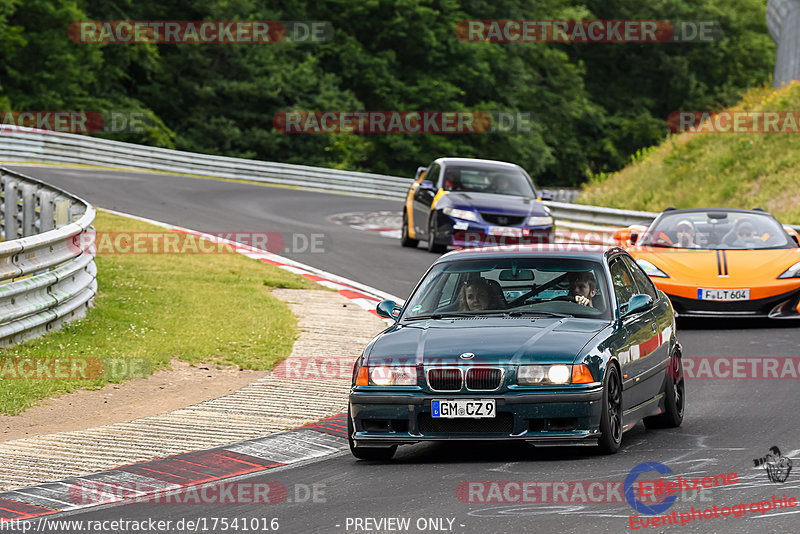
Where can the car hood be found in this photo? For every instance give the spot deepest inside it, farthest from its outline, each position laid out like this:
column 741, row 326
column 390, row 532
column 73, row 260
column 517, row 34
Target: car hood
column 744, row 267
column 492, row 340
column 493, row 203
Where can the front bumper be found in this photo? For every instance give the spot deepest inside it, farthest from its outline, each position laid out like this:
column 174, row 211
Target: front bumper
column 783, row 306
column 383, row 419
column 469, row 234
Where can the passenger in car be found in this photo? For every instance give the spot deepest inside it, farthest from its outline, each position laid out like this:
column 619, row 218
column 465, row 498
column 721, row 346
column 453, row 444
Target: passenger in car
column 477, row 294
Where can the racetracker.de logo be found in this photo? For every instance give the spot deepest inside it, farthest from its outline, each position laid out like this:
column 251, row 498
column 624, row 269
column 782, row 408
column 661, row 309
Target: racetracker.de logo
column 190, row 243
column 738, row 368
column 402, row 122
column 734, row 122
column 77, row 122
column 73, row 368
column 587, row 31
column 199, row 31
column 85, row 492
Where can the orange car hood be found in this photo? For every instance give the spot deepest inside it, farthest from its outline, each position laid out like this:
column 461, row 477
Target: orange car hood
column 746, row 268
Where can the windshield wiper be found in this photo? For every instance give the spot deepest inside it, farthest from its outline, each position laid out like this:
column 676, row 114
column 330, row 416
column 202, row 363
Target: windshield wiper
column 448, row 315
column 535, row 313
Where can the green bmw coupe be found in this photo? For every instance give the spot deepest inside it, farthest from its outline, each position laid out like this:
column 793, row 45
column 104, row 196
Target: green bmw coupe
column 561, row 344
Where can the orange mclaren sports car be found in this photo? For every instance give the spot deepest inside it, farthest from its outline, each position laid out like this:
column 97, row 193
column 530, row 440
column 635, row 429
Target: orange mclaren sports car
column 720, row 262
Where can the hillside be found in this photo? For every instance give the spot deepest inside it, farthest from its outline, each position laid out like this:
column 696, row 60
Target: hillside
column 737, row 170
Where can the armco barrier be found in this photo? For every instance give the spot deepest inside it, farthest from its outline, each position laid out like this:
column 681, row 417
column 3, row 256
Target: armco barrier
column 47, row 269
column 26, row 144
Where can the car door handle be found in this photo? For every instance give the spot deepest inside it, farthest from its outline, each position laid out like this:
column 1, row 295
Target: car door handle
column 654, row 327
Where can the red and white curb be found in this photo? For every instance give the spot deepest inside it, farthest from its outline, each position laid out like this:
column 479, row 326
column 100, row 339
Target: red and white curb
column 174, row 474
column 174, row 479
column 362, row 295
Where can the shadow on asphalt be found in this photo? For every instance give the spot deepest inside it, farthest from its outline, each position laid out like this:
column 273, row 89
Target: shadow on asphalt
column 483, row 452
column 735, row 324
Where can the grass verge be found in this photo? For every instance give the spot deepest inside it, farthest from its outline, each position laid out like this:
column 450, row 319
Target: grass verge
column 150, row 308
column 698, row 170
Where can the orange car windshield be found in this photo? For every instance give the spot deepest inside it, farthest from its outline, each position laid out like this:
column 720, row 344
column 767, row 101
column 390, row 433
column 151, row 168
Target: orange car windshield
column 715, row 229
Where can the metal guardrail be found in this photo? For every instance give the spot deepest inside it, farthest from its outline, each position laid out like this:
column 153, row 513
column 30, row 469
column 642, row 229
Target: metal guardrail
column 47, row 269
column 27, row 144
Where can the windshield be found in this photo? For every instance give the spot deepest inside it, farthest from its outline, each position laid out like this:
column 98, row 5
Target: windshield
column 500, row 286
column 487, row 179
column 711, row 230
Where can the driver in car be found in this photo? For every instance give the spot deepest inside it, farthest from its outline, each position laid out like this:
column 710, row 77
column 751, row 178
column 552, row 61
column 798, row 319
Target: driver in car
column 583, row 286
column 452, row 180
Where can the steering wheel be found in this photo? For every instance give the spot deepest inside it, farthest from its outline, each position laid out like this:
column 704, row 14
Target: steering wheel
column 567, row 298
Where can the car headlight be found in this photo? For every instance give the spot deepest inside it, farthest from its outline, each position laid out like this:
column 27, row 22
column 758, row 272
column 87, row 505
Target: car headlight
column 461, row 214
column 651, row 270
column 531, row 375
column 539, row 221
column 384, row 375
column 792, row 272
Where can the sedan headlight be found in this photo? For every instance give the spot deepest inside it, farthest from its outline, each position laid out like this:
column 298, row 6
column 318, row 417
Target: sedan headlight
column 651, row 270
column 531, row 375
column 539, row 221
column 461, row 214
column 384, row 375
column 792, row 272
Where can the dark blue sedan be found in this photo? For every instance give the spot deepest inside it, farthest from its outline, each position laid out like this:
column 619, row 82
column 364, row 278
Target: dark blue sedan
column 550, row 344
column 465, row 202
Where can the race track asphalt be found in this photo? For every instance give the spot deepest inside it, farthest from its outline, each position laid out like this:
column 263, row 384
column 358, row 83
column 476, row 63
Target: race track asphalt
column 728, row 422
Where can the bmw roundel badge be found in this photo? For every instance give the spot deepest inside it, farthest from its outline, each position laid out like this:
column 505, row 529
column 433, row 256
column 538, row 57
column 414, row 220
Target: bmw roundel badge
column 467, row 356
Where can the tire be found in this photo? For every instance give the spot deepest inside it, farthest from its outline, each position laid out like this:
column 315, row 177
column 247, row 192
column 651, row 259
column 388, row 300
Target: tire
column 611, row 413
column 433, row 227
column 367, row 453
column 674, row 398
column 404, row 239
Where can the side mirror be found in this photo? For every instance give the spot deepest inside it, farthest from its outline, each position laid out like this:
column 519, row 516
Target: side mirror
column 638, row 303
column 425, row 184
column 545, row 195
column 629, row 236
column 420, row 172
column 388, row 309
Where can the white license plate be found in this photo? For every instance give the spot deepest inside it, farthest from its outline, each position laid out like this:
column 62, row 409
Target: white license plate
column 725, row 295
column 467, row 408
column 504, row 230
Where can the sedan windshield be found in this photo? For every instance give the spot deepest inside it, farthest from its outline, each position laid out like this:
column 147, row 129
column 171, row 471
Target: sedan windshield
column 717, row 230
column 503, row 180
column 562, row 287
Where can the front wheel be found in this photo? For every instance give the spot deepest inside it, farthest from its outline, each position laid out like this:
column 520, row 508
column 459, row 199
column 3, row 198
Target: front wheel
column 611, row 413
column 674, row 398
column 367, row 453
column 404, row 239
column 433, row 229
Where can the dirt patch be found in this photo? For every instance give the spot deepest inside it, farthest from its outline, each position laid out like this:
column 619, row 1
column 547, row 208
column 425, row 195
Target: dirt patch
column 162, row 392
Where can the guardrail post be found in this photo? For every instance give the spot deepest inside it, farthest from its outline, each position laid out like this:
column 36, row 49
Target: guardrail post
column 47, row 220
column 62, row 212
column 11, row 227
column 28, row 210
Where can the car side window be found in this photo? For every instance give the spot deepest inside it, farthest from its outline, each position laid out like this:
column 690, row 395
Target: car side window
column 643, row 283
column 622, row 281
column 449, row 292
column 433, row 175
